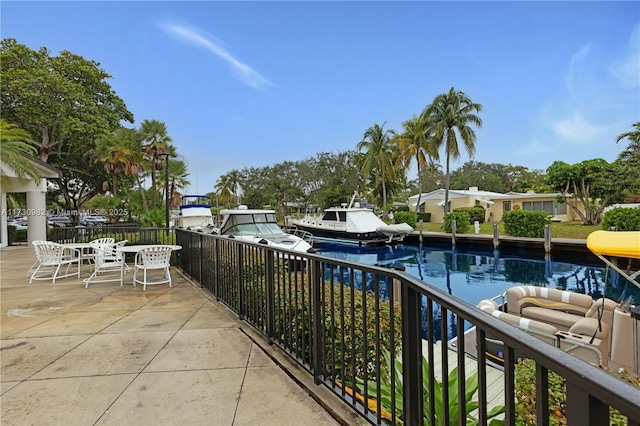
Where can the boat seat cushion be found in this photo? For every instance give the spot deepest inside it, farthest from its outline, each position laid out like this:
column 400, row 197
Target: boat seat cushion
column 560, row 319
column 520, row 297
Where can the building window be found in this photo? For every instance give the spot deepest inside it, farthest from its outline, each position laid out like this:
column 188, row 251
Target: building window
column 561, row 208
column 506, row 206
column 545, row 206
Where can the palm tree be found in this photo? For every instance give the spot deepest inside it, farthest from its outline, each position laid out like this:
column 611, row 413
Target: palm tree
column 450, row 114
column 157, row 143
column 13, row 144
column 121, row 152
column 416, row 142
column 177, row 180
column 228, row 185
column 378, row 156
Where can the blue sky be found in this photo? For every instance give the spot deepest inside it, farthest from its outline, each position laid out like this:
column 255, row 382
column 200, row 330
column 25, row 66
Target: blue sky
column 252, row 84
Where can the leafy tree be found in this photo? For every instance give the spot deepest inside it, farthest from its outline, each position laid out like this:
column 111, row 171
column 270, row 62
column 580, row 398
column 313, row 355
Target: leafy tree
column 629, row 161
column 378, row 156
column 451, row 114
column 592, row 183
column 13, row 147
column 65, row 103
column 416, row 142
column 121, row 153
column 59, row 100
column 228, row 185
column 157, row 143
column 178, row 175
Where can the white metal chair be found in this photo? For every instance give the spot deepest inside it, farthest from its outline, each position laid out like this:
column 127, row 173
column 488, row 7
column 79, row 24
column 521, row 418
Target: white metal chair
column 99, row 242
column 108, row 263
column 152, row 258
column 33, row 267
column 51, row 258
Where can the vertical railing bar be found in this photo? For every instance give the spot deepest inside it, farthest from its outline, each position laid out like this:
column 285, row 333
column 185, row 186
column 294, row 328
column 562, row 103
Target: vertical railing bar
column 481, row 345
column 542, row 395
column 432, row 367
column 411, row 356
column 509, row 385
column 462, row 407
column 270, row 294
column 316, row 322
column 444, row 359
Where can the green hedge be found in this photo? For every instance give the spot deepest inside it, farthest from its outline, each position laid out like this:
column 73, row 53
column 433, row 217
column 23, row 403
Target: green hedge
column 462, row 219
column 476, row 213
column 523, row 223
column 411, row 218
column 623, row 218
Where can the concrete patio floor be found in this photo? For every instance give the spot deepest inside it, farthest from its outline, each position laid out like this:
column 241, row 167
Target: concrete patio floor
column 111, row 355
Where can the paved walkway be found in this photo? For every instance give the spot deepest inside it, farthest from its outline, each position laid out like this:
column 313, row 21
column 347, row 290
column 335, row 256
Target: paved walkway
column 111, row 355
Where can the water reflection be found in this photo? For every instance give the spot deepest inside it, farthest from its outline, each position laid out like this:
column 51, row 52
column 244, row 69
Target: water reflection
column 473, row 276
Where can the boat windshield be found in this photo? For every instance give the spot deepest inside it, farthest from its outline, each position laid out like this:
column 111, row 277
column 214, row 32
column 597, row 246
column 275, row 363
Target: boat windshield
column 252, row 224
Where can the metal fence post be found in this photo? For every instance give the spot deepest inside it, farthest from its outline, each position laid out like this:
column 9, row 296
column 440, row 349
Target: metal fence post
column 411, row 356
column 316, row 321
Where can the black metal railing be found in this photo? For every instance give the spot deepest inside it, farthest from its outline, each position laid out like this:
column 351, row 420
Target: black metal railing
column 130, row 232
column 378, row 338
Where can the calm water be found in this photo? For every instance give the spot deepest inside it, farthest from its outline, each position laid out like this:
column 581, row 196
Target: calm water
column 473, row 276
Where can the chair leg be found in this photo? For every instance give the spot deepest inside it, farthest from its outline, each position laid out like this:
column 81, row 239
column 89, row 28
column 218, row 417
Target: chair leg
column 144, row 285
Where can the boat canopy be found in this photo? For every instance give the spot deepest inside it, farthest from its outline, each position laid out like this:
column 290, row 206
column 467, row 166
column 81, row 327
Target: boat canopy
column 619, row 244
column 363, row 221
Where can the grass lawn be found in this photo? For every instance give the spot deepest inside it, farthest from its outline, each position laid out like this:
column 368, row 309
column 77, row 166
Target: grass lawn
column 558, row 229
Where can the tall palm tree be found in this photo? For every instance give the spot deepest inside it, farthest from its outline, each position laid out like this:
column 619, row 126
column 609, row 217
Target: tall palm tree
column 121, row 152
column 416, row 142
column 228, row 185
column 13, row 144
column 378, row 156
column 451, row 114
column 157, row 143
column 177, row 180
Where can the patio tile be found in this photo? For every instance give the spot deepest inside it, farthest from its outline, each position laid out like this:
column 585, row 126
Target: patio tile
column 107, row 354
column 203, row 349
column 6, row 386
column 255, row 405
column 212, row 315
column 179, row 398
column 68, row 401
column 74, row 323
column 189, row 298
column 22, row 358
column 152, row 320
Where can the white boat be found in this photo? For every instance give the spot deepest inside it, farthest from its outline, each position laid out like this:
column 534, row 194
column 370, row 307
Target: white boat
column 260, row 226
column 195, row 213
column 354, row 225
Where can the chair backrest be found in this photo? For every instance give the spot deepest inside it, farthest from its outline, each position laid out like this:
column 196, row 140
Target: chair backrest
column 48, row 252
column 107, row 241
column 156, row 256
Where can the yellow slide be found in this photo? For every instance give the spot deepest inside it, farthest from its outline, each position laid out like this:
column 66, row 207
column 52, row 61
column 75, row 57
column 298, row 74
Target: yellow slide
column 619, row 244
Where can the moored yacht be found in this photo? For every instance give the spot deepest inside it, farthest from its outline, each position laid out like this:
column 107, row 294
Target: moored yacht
column 260, row 226
column 194, row 213
column 354, row 225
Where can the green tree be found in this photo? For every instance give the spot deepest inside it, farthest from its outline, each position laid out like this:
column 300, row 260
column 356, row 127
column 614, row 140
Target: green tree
column 58, row 100
column 378, row 156
column 178, row 179
column 121, row 153
column 14, row 147
column 157, row 143
column 449, row 115
column 592, row 183
column 416, row 142
column 629, row 161
column 228, row 186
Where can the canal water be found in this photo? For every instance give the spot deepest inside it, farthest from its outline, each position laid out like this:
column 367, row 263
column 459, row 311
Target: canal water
column 476, row 275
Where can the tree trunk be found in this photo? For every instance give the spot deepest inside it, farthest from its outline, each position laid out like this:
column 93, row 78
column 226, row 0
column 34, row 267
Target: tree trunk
column 446, row 188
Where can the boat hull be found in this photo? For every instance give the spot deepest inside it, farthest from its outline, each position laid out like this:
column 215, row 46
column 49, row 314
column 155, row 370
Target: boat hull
column 360, row 238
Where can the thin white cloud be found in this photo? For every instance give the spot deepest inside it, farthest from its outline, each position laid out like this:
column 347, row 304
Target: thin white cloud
column 577, row 130
column 575, row 59
column 627, row 70
column 242, row 71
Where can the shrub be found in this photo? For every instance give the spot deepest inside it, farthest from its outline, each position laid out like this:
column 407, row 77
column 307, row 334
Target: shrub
column 523, row 223
column 471, row 388
column 525, row 392
column 402, row 208
column 462, row 222
column 411, row 218
column 424, row 216
column 623, row 218
column 476, row 213
column 21, row 235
